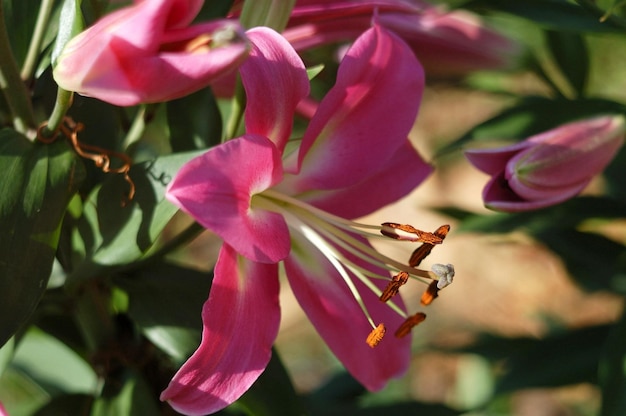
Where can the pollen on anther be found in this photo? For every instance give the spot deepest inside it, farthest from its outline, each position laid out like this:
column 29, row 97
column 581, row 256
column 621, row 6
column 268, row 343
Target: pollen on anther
column 377, row 334
column 409, row 324
column 394, row 286
column 407, row 232
column 430, row 293
column 424, row 250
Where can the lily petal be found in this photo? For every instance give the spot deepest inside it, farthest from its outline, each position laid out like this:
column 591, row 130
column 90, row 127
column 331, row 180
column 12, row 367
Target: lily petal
column 401, row 175
column 494, row 161
column 146, row 53
column 336, row 315
column 217, row 187
column 378, row 80
column 275, row 80
column 498, row 195
column 241, row 319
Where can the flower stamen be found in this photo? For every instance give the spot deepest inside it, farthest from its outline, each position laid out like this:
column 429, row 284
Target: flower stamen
column 424, row 250
column 393, row 287
column 430, row 294
column 406, row 232
column 410, row 322
column 377, row 334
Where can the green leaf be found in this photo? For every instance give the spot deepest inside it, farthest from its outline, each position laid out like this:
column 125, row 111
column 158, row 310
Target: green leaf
column 130, row 395
column 114, row 234
column 554, row 14
column 272, row 393
column 6, row 354
column 53, row 365
column 67, row 404
column 612, row 371
column 531, row 116
column 41, row 181
column 165, row 301
column 561, row 359
column 19, row 17
column 70, row 24
column 591, row 259
column 570, row 54
column 195, row 121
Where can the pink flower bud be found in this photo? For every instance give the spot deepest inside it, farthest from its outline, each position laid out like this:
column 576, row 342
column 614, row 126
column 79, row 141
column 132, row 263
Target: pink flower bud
column 550, row 167
column 148, row 52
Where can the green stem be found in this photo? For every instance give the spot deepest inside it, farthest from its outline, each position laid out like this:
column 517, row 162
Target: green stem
column 270, row 13
column 14, row 90
column 61, row 105
column 137, row 128
column 35, row 43
column 185, row 236
column 235, row 119
column 93, row 316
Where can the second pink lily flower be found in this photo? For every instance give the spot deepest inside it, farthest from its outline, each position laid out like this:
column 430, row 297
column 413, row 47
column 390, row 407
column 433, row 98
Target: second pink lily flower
column 273, row 202
column 149, row 52
column 550, row 167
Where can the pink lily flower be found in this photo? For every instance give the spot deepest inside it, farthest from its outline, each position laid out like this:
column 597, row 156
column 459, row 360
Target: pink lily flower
column 550, row 167
column 446, row 42
column 148, row 52
column 3, row 411
column 271, row 203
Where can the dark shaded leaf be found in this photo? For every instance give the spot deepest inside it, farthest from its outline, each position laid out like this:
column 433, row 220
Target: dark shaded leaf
column 130, row 395
column 39, row 182
column 561, row 359
column 165, row 301
column 392, row 409
column 570, row 54
column 194, row 121
column 68, row 404
column 612, row 373
column 114, row 234
column 272, row 393
column 563, row 216
column 591, row 259
column 554, row 14
column 19, row 18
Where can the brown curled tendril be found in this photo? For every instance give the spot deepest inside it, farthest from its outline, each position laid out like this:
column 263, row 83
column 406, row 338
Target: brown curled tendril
column 101, row 157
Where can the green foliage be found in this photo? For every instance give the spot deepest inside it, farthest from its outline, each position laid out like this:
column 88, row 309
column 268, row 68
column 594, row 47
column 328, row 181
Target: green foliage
column 96, row 316
column 42, row 180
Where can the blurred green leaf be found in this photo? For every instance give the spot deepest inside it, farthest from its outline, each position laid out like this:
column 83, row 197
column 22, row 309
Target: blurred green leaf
column 41, row 181
column 554, row 14
column 53, row 365
column 558, row 360
column 567, row 215
column 20, row 394
column 67, row 404
column 195, row 121
column 115, row 234
column 614, row 176
column 591, row 259
column 570, row 54
column 612, row 371
column 20, row 17
column 533, row 115
column 6, row 354
column 131, row 397
column 70, row 24
column 272, row 393
column 165, row 301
